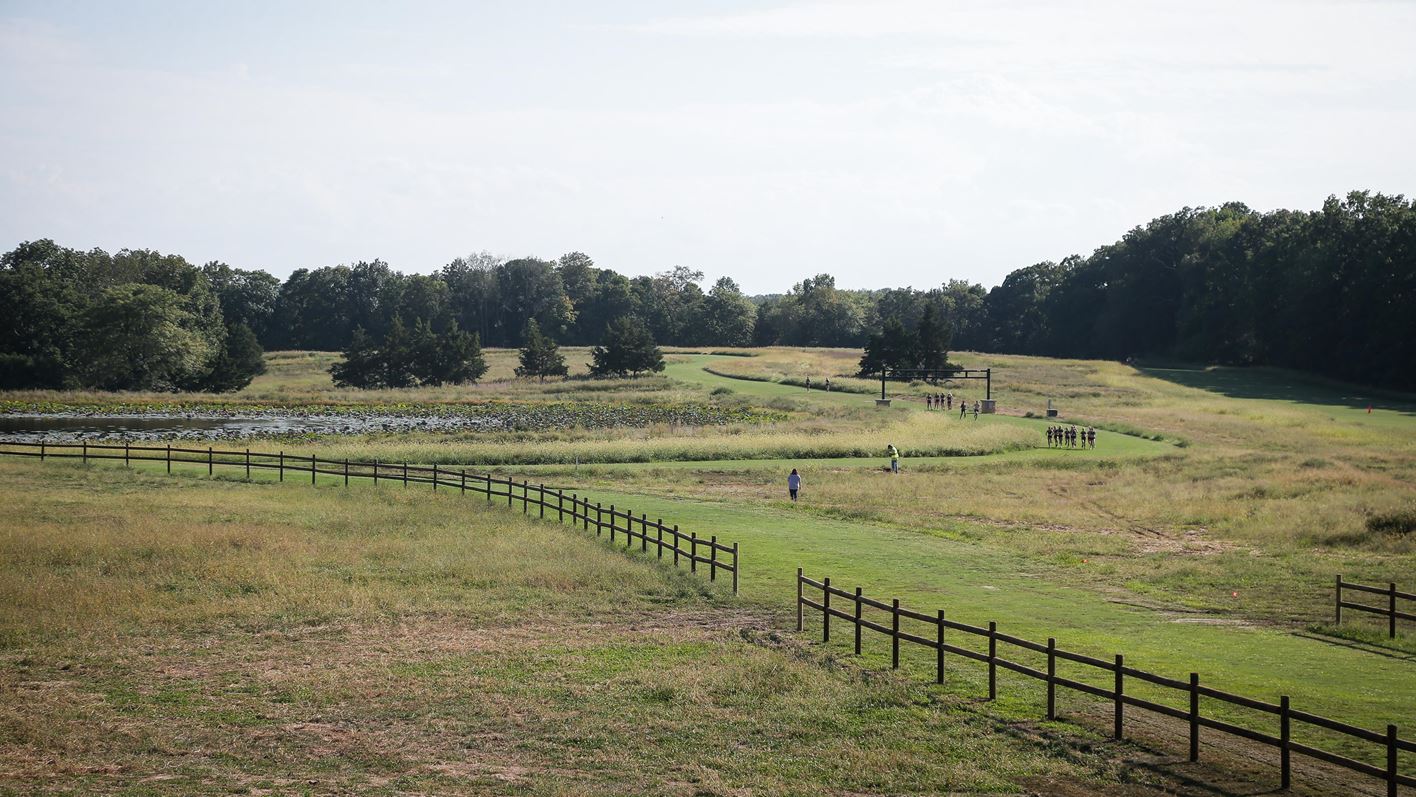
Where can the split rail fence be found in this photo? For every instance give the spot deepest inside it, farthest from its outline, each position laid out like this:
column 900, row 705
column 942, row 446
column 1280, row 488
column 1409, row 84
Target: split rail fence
column 666, row 540
column 935, row 639
column 1389, row 610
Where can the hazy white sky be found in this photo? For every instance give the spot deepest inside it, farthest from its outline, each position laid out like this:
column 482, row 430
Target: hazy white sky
column 888, row 143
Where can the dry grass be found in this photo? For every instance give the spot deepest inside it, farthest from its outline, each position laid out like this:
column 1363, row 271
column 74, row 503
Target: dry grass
column 189, row 636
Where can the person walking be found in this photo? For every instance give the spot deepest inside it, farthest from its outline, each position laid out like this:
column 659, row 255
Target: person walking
column 894, row 457
column 793, row 484
column 949, row 399
column 928, row 401
column 828, row 384
column 808, row 383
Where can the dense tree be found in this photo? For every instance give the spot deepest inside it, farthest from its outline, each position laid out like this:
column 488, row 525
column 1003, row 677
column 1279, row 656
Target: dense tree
column 540, row 356
column 628, row 349
column 892, row 347
column 140, row 337
column 362, row 365
column 931, row 339
column 727, row 316
column 404, row 359
column 1328, row 290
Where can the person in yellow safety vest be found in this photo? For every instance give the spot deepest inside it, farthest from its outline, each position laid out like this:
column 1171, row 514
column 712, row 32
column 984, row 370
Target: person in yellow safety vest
column 894, row 458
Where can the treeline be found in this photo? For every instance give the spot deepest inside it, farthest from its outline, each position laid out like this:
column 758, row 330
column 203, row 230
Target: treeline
column 137, row 320
column 1327, row 290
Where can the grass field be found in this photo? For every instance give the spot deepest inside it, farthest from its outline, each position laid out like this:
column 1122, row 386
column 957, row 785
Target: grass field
column 184, row 636
column 1202, row 534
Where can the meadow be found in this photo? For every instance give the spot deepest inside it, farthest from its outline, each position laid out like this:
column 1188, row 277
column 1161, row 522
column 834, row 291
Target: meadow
column 1202, row 534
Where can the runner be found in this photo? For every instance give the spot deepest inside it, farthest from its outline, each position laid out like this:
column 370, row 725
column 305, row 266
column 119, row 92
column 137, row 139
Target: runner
column 975, row 409
column 1049, row 437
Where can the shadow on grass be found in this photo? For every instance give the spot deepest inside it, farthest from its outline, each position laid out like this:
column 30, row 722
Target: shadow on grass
column 1281, row 385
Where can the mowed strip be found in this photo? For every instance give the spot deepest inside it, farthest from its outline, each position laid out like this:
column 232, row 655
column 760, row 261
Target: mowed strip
column 181, row 635
column 976, row 583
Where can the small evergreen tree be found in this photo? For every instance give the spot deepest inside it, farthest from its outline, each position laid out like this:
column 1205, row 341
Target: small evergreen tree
column 362, row 365
column 461, row 356
column 240, row 361
column 931, row 340
column 397, row 356
column 628, row 348
column 425, row 358
column 540, row 356
column 892, row 347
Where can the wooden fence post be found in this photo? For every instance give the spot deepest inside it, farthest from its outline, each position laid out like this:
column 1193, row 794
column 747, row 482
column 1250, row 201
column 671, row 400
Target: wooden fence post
column 525, row 497
column 1051, row 674
column 1194, row 716
column 560, row 506
column 346, row 471
column 210, row 464
column 826, row 609
column 894, row 633
column 509, row 491
column 435, row 477
column 693, row 553
column 1120, row 694
column 41, row 451
column 939, row 641
column 1391, row 611
column 462, row 473
column 676, row 545
column 248, row 464
column 405, row 473
column 643, row 529
column 1283, row 752
column 1337, row 608
column 599, row 518
column 612, row 524
column 992, row 660
column 735, row 568
column 1391, row 761
column 312, row 470
column 798, row 601
column 858, row 607
column 125, row 453
column 712, row 557
column 543, row 501
column 169, row 459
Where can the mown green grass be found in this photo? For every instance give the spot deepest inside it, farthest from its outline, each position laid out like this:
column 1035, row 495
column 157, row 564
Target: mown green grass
column 185, row 635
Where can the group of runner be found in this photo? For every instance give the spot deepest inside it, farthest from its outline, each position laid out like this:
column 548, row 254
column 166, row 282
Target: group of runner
column 945, row 401
column 939, row 401
column 1071, row 437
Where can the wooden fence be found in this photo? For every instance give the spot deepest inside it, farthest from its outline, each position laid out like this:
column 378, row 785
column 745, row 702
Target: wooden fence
column 667, row 541
column 1389, row 610
column 1116, row 671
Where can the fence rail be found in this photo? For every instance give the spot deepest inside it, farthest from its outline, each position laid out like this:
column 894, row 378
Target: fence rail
column 666, row 540
column 934, row 637
column 1389, row 610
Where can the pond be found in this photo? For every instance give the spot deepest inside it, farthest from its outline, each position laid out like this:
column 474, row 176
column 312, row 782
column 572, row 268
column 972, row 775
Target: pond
column 65, row 427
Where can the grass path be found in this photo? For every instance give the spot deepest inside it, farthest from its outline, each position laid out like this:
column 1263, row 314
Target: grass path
column 975, row 584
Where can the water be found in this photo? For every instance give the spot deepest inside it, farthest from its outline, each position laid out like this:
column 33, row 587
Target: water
column 69, row 427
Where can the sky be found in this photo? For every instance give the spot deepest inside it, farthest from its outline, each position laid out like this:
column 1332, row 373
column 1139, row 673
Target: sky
column 886, row 143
